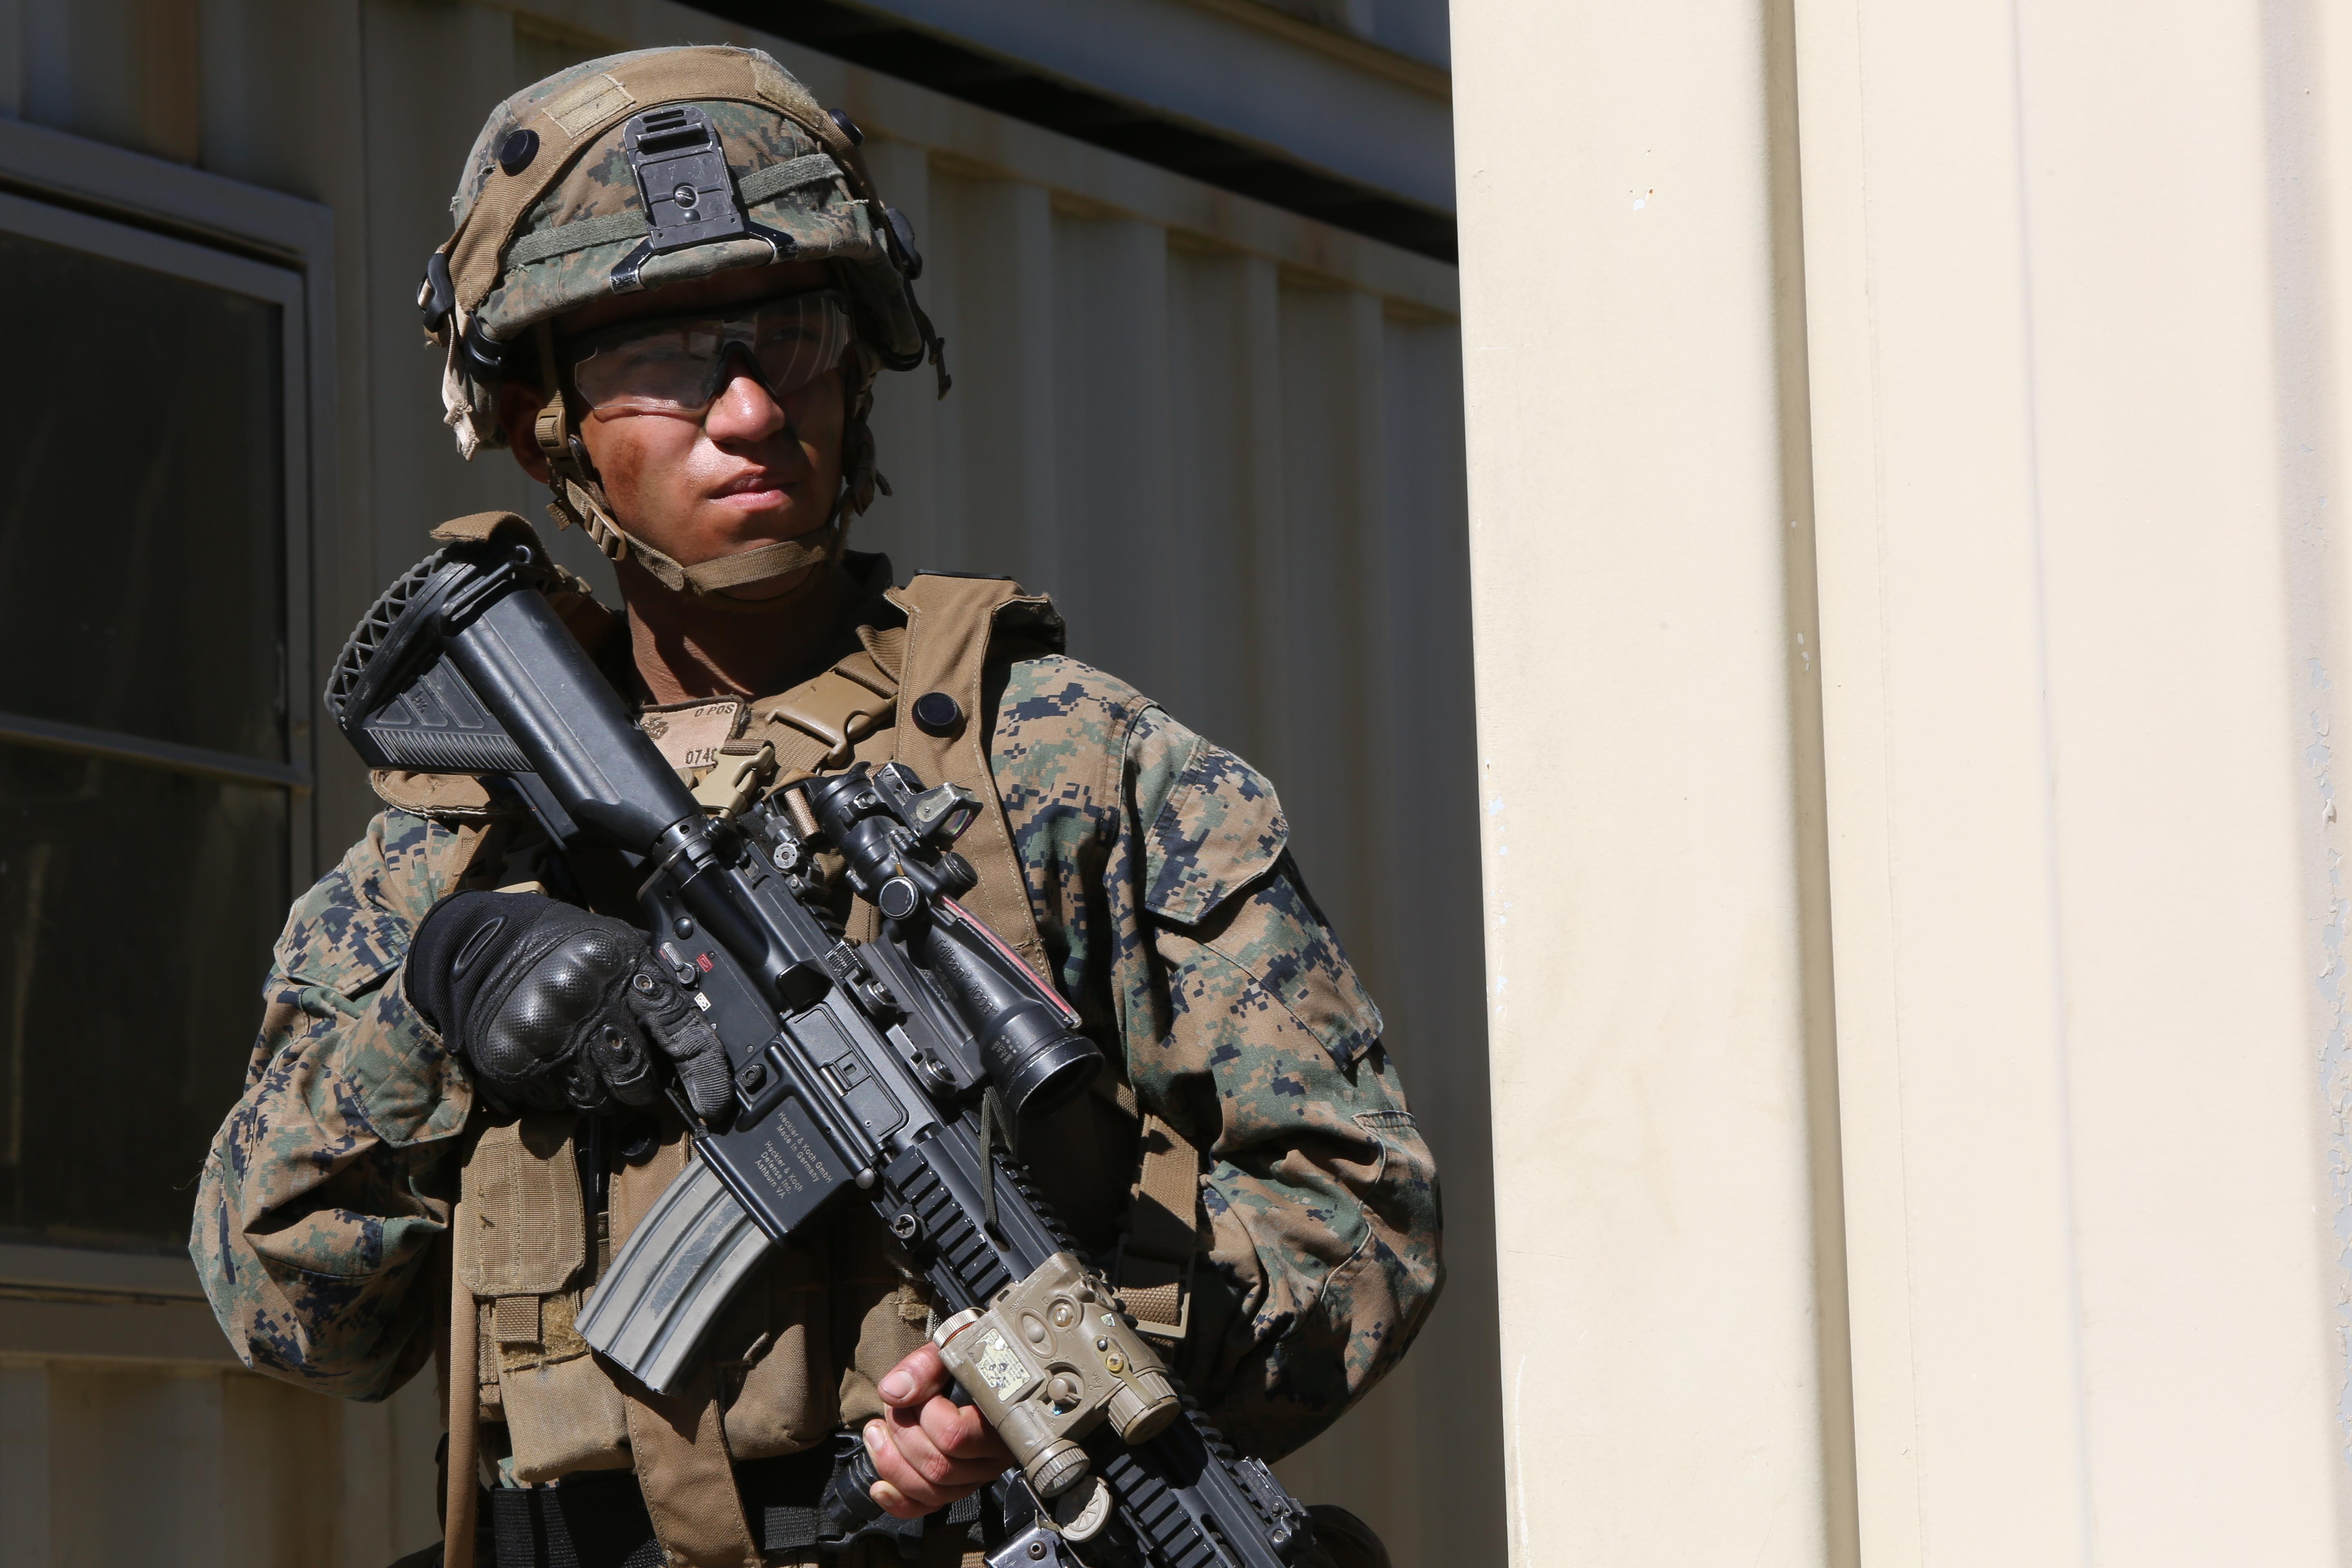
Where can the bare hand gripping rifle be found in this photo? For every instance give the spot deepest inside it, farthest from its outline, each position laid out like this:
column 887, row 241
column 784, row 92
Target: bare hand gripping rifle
column 883, row 1067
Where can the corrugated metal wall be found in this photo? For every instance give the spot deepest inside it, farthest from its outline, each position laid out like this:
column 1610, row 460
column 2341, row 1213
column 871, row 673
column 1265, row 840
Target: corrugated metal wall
column 1228, row 440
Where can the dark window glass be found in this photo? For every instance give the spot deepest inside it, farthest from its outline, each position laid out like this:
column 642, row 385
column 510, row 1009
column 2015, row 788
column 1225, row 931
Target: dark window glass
column 140, row 538
column 141, row 592
column 138, row 907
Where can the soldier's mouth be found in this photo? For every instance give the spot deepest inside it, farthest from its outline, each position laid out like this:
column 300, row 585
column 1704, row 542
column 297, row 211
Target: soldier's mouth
column 753, row 492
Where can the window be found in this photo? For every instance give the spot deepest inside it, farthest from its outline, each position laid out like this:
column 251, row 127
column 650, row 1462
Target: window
column 152, row 791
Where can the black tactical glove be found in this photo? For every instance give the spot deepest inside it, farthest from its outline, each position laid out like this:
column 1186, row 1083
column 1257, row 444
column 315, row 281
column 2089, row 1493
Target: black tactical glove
column 554, row 1007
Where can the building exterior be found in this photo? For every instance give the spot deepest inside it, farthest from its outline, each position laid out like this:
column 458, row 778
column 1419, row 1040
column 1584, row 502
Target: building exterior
column 1906, row 467
column 1216, row 412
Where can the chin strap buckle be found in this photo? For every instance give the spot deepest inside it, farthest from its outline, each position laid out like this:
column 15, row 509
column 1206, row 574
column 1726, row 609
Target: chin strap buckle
column 573, row 502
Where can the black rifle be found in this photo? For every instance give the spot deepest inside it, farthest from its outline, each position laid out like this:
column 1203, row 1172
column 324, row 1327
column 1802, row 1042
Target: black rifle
column 885, row 1067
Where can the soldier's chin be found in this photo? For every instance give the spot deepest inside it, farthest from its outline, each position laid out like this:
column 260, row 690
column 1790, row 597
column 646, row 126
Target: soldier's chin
column 773, row 588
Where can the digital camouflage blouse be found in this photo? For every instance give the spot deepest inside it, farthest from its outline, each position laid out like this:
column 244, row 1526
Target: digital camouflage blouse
column 1177, row 921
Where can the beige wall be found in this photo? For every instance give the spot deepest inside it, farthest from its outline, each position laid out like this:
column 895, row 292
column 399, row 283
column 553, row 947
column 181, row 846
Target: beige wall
column 1904, row 447
column 1227, row 438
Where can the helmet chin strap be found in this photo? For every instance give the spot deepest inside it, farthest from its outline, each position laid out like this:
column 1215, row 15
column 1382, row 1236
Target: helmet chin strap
column 578, row 499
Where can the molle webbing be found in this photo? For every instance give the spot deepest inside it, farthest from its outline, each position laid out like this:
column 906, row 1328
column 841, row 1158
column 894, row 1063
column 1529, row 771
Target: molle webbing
column 1163, row 1228
column 518, row 1233
column 526, row 1231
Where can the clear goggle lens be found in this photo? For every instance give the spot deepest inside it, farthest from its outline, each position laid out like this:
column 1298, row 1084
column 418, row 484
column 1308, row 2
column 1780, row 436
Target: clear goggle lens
column 678, row 364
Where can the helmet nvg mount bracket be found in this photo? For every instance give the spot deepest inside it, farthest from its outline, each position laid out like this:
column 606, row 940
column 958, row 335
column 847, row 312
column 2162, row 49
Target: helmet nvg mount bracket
column 688, row 191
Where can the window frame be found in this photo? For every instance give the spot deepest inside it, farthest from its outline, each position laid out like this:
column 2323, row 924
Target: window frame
column 272, row 284
column 183, row 222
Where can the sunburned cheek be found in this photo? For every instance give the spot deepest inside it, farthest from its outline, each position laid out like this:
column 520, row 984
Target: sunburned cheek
column 646, row 480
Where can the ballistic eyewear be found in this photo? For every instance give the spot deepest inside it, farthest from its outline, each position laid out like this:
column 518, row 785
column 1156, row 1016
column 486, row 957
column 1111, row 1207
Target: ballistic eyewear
column 678, row 364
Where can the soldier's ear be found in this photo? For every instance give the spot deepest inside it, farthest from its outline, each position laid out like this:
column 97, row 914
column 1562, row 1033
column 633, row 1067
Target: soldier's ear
column 518, row 406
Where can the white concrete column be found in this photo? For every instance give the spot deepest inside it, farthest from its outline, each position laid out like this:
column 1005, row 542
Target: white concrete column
column 1623, row 354
column 2074, row 373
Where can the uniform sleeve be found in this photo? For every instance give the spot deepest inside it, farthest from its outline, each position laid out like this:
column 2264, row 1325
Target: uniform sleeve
column 1246, row 1028
column 1176, row 923
column 328, row 1184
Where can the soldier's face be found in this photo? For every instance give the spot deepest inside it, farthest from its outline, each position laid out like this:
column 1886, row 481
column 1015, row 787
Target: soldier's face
column 754, row 469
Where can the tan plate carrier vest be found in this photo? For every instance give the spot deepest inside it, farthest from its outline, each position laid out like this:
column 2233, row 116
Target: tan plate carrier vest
column 526, row 1252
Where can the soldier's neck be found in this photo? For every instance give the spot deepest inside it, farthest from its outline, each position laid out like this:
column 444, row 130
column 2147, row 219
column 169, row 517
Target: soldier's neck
column 686, row 649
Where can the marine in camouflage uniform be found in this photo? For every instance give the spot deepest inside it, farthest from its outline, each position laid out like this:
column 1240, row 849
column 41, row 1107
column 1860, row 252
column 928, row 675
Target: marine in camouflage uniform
column 1168, row 908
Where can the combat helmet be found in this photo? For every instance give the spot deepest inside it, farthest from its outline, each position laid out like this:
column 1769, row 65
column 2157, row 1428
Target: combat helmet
column 646, row 168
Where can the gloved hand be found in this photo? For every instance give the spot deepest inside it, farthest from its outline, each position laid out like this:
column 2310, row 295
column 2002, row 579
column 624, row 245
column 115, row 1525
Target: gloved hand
column 554, row 1008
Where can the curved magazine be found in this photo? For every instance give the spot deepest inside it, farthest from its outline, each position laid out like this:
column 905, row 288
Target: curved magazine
column 681, row 1265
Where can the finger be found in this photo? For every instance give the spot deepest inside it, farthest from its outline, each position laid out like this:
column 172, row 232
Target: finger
column 934, row 1464
column 707, row 1085
column 909, row 1460
column 893, row 1501
column 905, row 1491
column 959, row 1432
column 898, row 1478
column 920, row 1376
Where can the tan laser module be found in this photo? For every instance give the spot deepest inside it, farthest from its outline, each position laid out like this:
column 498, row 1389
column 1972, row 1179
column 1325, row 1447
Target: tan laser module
column 1051, row 1357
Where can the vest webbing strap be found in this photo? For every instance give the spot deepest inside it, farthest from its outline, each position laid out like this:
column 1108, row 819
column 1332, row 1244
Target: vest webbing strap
column 949, row 621
column 1163, row 1228
column 1163, row 1224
